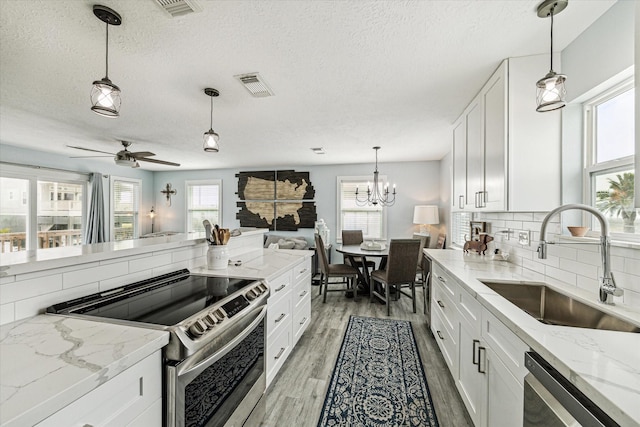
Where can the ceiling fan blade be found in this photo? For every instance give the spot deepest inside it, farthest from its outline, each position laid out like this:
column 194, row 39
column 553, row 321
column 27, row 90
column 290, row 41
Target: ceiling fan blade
column 87, row 157
column 89, row 149
column 160, row 162
column 141, row 154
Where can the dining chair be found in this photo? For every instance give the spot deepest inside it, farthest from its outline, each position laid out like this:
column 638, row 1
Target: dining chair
column 347, row 272
column 400, row 269
column 424, row 243
column 355, row 237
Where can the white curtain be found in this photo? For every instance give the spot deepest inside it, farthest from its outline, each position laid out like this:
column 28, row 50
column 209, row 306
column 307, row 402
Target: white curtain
column 95, row 230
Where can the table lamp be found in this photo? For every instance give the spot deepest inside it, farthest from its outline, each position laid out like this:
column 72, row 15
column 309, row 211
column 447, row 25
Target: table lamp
column 425, row 215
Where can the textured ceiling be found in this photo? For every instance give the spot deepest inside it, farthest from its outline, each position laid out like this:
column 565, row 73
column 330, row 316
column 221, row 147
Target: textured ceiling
column 347, row 75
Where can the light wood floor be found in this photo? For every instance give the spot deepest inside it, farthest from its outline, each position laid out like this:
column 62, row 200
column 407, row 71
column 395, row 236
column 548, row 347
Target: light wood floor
column 296, row 395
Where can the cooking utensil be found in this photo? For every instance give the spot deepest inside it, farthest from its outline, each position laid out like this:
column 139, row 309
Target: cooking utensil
column 217, row 235
column 207, row 230
column 226, row 235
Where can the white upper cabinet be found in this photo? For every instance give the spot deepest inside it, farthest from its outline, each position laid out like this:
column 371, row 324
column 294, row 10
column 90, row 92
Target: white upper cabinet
column 512, row 157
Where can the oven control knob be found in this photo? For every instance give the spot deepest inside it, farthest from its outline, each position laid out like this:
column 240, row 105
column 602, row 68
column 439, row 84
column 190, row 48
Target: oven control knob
column 197, row 328
column 219, row 315
column 209, row 320
column 251, row 295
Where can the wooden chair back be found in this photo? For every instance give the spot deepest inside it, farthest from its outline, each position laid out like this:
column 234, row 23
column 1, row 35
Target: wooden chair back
column 352, row 237
column 401, row 263
column 441, row 241
column 322, row 254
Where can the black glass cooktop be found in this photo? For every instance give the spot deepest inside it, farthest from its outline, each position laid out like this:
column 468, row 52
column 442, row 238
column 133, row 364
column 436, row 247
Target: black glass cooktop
column 163, row 300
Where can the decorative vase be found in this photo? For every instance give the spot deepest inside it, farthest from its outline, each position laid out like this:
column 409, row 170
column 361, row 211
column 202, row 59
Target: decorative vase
column 217, row 257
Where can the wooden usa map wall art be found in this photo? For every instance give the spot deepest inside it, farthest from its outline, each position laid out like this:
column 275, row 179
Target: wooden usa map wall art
column 276, row 200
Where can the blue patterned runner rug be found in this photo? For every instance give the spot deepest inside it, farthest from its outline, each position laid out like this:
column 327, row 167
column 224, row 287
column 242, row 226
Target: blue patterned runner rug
column 378, row 379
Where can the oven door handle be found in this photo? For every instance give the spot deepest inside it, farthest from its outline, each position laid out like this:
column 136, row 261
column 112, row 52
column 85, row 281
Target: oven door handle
column 196, row 369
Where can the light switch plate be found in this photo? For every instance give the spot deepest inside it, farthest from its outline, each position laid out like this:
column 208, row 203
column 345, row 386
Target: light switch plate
column 523, row 238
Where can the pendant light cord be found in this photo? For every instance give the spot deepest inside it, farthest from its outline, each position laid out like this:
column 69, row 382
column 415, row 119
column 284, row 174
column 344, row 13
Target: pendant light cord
column 211, row 120
column 551, row 12
column 107, row 55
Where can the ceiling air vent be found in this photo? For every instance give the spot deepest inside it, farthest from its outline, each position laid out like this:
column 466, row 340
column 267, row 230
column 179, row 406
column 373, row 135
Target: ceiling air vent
column 178, row 7
column 255, row 84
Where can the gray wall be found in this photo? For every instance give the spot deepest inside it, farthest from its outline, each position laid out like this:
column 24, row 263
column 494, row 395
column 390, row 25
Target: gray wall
column 417, row 183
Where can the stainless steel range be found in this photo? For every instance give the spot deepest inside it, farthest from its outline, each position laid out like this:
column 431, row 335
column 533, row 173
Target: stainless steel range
column 214, row 371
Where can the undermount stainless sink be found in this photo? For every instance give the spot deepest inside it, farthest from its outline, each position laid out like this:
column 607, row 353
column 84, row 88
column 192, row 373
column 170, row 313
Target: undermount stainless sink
column 549, row 306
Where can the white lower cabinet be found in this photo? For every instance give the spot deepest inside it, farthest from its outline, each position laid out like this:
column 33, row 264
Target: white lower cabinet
column 288, row 314
column 131, row 398
column 486, row 359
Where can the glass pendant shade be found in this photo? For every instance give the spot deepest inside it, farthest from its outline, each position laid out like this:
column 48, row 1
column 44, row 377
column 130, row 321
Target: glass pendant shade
column 211, row 141
column 551, row 92
column 105, row 98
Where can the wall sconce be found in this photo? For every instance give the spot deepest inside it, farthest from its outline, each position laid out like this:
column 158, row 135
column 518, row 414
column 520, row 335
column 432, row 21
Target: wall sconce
column 425, row 216
column 152, row 215
column 168, row 191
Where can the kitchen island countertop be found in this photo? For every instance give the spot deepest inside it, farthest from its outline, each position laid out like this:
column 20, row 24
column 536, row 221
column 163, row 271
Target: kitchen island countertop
column 604, row 365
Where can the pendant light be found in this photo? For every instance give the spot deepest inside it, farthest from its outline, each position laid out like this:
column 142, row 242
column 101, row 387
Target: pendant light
column 551, row 91
column 105, row 96
column 377, row 195
column 211, row 137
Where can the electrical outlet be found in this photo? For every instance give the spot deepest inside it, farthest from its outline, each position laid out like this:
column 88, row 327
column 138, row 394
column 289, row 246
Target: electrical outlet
column 523, row 238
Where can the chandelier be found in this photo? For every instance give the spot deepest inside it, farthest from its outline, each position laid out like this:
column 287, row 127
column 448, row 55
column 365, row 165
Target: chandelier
column 378, row 194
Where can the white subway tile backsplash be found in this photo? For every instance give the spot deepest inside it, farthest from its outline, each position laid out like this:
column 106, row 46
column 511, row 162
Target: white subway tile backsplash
column 108, row 284
column 88, row 275
column 170, row 268
column 45, row 273
column 150, row 262
column 523, row 216
column 562, row 251
column 587, row 270
column 631, row 298
column 186, row 254
column 24, row 289
column 591, row 284
column 7, row 313
column 7, row 279
column 632, row 266
column 534, row 266
column 32, row 306
column 563, row 276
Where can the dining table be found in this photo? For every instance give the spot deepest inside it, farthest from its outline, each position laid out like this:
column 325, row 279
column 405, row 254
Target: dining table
column 351, row 252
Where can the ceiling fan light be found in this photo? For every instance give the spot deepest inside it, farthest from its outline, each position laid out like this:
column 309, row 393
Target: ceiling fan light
column 105, row 98
column 551, row 92
column 211, row 142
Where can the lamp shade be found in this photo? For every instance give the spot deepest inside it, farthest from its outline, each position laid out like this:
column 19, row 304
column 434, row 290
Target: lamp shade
column 426, row 214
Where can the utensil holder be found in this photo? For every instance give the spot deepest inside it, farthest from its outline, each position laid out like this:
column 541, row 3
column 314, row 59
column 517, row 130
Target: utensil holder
column 217, row 257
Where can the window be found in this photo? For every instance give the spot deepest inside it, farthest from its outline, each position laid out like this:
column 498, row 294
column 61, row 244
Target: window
column 460, row 228
column 33, row 216
column 610, row 148
column 372, row 220
column 125, row 204
column 203, row 202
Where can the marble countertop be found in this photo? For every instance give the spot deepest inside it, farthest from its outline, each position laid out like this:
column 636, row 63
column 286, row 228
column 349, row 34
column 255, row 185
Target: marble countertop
column 44, row 259
column 604, row 365
column 258, row 264
column 49, row 361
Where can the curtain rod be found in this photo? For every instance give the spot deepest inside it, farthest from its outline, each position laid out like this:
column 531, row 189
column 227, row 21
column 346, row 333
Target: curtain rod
column 46, row 168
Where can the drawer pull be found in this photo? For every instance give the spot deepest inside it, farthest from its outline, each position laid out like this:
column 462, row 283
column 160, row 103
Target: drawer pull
column 303, row 294
column 440, row 303
column 304, row 320
column 279, row 355
column 302, row 271
column 282, row 316
column 481, row 350
column 442, row 279
column 278, row 289
column 440, row 335
column 473, row 356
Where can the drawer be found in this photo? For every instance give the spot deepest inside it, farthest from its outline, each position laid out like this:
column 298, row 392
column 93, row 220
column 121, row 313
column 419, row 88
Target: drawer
column 119, row 401
column 278, row 313
column 300, row 292
column 301, row 318
column 442, row 304
column 278, row 349
column 448, row 284
column 280, row 286
column 446, row 343
column 303, row 268
column 505, row 344
column 470, row 309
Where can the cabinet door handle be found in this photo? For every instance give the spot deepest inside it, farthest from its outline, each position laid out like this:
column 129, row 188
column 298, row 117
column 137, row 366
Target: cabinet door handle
column 278, row 289
column 279, row 355
column 282, row 316
column 304, row 320
column 483, row 198
column 482, row 350
column 440, row 335
column 440, row 303
column 443, row 280
column 302, row 271
column 475, row 362
column 461, row 202
column 303, row 294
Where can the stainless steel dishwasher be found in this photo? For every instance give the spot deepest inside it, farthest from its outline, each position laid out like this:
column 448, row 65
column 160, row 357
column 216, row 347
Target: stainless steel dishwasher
column 550, row 400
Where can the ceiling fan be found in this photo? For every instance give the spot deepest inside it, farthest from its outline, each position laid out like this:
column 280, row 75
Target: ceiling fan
column 126, row 157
